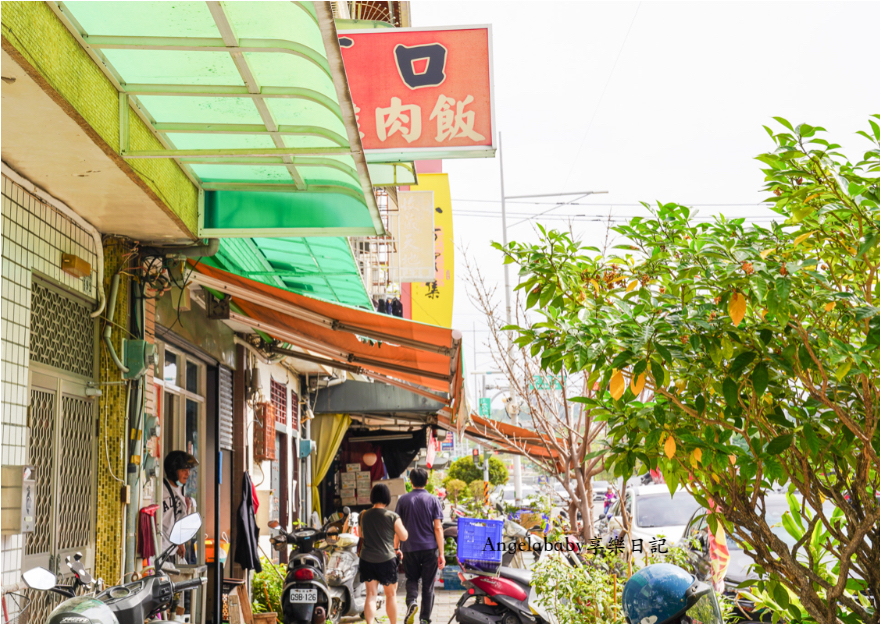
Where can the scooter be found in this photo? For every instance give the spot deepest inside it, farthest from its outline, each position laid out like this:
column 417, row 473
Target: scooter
column 305, row 597
column 509, row 596
column 348, row 593
column 136, row 602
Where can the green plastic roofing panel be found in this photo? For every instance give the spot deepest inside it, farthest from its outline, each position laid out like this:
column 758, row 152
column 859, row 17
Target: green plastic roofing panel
column 323, row 267
column 243, row 96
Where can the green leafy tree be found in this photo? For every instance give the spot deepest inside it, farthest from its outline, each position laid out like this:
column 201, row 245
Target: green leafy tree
column 455, row 489
column 738, row 358
column 464, row 469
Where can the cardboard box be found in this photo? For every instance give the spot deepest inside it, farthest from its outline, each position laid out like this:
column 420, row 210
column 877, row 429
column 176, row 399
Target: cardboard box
column 397, row 486
column 348, row 493
column 354, row 468
column 350, row 501
column 364, row 485
column 348, row 480
column 363, row 501
column 363, row 474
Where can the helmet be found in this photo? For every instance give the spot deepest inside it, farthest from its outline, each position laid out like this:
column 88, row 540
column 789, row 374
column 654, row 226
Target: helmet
column 82, row 610
column 664, row 593
column 177, row 460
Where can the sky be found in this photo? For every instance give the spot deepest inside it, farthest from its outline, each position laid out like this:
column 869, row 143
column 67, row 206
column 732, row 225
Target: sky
column 650, row 101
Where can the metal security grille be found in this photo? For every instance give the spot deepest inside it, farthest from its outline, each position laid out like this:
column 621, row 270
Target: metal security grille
column 295, row 411
column 226, row 415
column 41, row 456
column 278, row 393
column 62, row 331
column 75, row 497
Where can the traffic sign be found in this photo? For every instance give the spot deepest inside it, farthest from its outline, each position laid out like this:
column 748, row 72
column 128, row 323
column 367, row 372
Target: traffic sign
column 485, row 407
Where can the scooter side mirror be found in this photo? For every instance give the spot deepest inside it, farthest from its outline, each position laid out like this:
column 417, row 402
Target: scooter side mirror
column 347, row 511
column 39, row 579
column 184, row 530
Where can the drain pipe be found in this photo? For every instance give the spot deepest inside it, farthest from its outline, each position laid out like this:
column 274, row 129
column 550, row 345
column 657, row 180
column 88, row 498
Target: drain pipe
column 68, row 212
column 108, row 328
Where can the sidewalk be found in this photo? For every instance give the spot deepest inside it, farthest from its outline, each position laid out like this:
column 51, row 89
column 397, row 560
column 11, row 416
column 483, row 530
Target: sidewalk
column 444, row 604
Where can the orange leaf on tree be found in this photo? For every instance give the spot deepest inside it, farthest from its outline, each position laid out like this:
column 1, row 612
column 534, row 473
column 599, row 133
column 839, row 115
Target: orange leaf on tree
column 830, row 306
column 737, row 308
column 670, row 447
column 637, row 383
column 617, row 385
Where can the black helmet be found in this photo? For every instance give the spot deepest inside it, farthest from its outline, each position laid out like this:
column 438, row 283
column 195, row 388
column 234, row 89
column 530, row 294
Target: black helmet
column 665, row 593
column 177, row 460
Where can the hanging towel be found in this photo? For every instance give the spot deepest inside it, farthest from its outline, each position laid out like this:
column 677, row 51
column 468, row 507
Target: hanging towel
column 146, row 545
column 247, row 532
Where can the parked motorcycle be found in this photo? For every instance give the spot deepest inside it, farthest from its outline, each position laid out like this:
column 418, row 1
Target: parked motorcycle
column 136, row 602
column 308, row 594
column 509, row 596
column 348, row 593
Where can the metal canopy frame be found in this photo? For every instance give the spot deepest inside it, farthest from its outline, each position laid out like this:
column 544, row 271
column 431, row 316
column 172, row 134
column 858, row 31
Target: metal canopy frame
column 293, row 159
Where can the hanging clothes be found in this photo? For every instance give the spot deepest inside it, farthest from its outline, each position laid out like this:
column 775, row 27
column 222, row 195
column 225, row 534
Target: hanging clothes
column 247, row 532
column 397, row 308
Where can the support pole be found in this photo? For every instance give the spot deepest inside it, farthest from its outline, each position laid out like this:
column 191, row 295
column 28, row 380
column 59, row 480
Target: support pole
column 518, row 487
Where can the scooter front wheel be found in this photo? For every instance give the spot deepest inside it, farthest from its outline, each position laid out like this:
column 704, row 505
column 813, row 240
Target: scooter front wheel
column 337, row 609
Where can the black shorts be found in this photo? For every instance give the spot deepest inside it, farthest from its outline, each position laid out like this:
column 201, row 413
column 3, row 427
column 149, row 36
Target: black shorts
column 386, row 573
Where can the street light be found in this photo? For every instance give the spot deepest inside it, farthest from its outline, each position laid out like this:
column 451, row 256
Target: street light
column 517, row 476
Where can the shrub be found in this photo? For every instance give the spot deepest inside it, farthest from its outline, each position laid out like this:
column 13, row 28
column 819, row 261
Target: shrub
column 266, row 588
column 456, row 489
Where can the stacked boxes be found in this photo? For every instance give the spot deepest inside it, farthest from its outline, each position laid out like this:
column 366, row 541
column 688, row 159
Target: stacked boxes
column 356, row 486
column 363, row 488
column 347, row 492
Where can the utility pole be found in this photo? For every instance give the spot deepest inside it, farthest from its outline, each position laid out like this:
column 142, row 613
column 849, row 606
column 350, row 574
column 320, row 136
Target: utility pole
column 518, row 479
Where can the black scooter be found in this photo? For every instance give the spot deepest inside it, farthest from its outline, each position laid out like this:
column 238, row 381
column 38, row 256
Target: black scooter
column 135, row 602
column 305, row 596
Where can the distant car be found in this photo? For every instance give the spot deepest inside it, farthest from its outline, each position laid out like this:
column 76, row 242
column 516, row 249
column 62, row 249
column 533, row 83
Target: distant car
column 656, row 518
column 695, row 541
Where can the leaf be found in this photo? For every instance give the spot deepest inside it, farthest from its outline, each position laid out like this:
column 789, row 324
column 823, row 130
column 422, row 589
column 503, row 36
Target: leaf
column 781, row 596
column 802, row 237
column 829, row 306
column 782, row 121
column 637, row 383
column 842, row 370
column 760, row 379
column 670, row 447
column 696, row 456
column 737, row 308
column 729, row 390
column 811, row 439
column 632, row 285
column 658, row 374
column 617, row 385
column 596, row 286
column 779, row 445
column 764, row 253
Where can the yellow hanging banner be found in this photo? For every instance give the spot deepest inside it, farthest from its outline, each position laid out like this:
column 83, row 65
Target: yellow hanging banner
column 432, row 302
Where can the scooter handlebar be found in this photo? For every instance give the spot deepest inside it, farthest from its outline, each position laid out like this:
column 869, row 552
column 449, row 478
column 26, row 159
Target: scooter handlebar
column 190, row 584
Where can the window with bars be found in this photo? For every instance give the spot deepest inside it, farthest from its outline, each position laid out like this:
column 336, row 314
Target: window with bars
column 278, row 394
column 295, row 411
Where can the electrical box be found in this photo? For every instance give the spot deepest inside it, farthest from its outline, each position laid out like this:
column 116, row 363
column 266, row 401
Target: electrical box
column 307, row 447
column 75, row 266
column 138, row 356
column 18, row 497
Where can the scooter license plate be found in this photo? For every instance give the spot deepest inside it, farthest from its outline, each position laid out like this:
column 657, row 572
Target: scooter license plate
column 299, row 595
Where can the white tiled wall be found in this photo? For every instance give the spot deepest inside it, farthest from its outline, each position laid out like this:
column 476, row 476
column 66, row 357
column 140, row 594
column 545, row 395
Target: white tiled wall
column 34, row 235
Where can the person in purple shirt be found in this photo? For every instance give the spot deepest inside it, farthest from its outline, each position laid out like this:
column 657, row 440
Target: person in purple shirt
column 422, row 514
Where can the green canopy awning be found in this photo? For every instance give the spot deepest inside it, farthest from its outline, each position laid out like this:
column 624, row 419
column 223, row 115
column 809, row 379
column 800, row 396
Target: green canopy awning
column 251, row 99
column 323, row 267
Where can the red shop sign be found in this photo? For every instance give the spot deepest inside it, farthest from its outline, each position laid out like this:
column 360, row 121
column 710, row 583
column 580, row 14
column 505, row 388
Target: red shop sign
column 422, row 93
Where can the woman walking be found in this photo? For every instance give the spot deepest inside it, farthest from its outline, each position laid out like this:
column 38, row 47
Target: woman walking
column 382, row 533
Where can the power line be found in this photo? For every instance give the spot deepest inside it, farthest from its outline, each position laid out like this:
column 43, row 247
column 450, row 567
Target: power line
column 600, row 101
column 612, row 203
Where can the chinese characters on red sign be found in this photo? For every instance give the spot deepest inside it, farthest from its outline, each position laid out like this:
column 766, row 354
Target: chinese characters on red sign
column 419, row 89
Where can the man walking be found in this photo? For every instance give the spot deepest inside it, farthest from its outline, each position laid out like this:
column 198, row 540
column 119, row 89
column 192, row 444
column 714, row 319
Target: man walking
column 423, row 551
